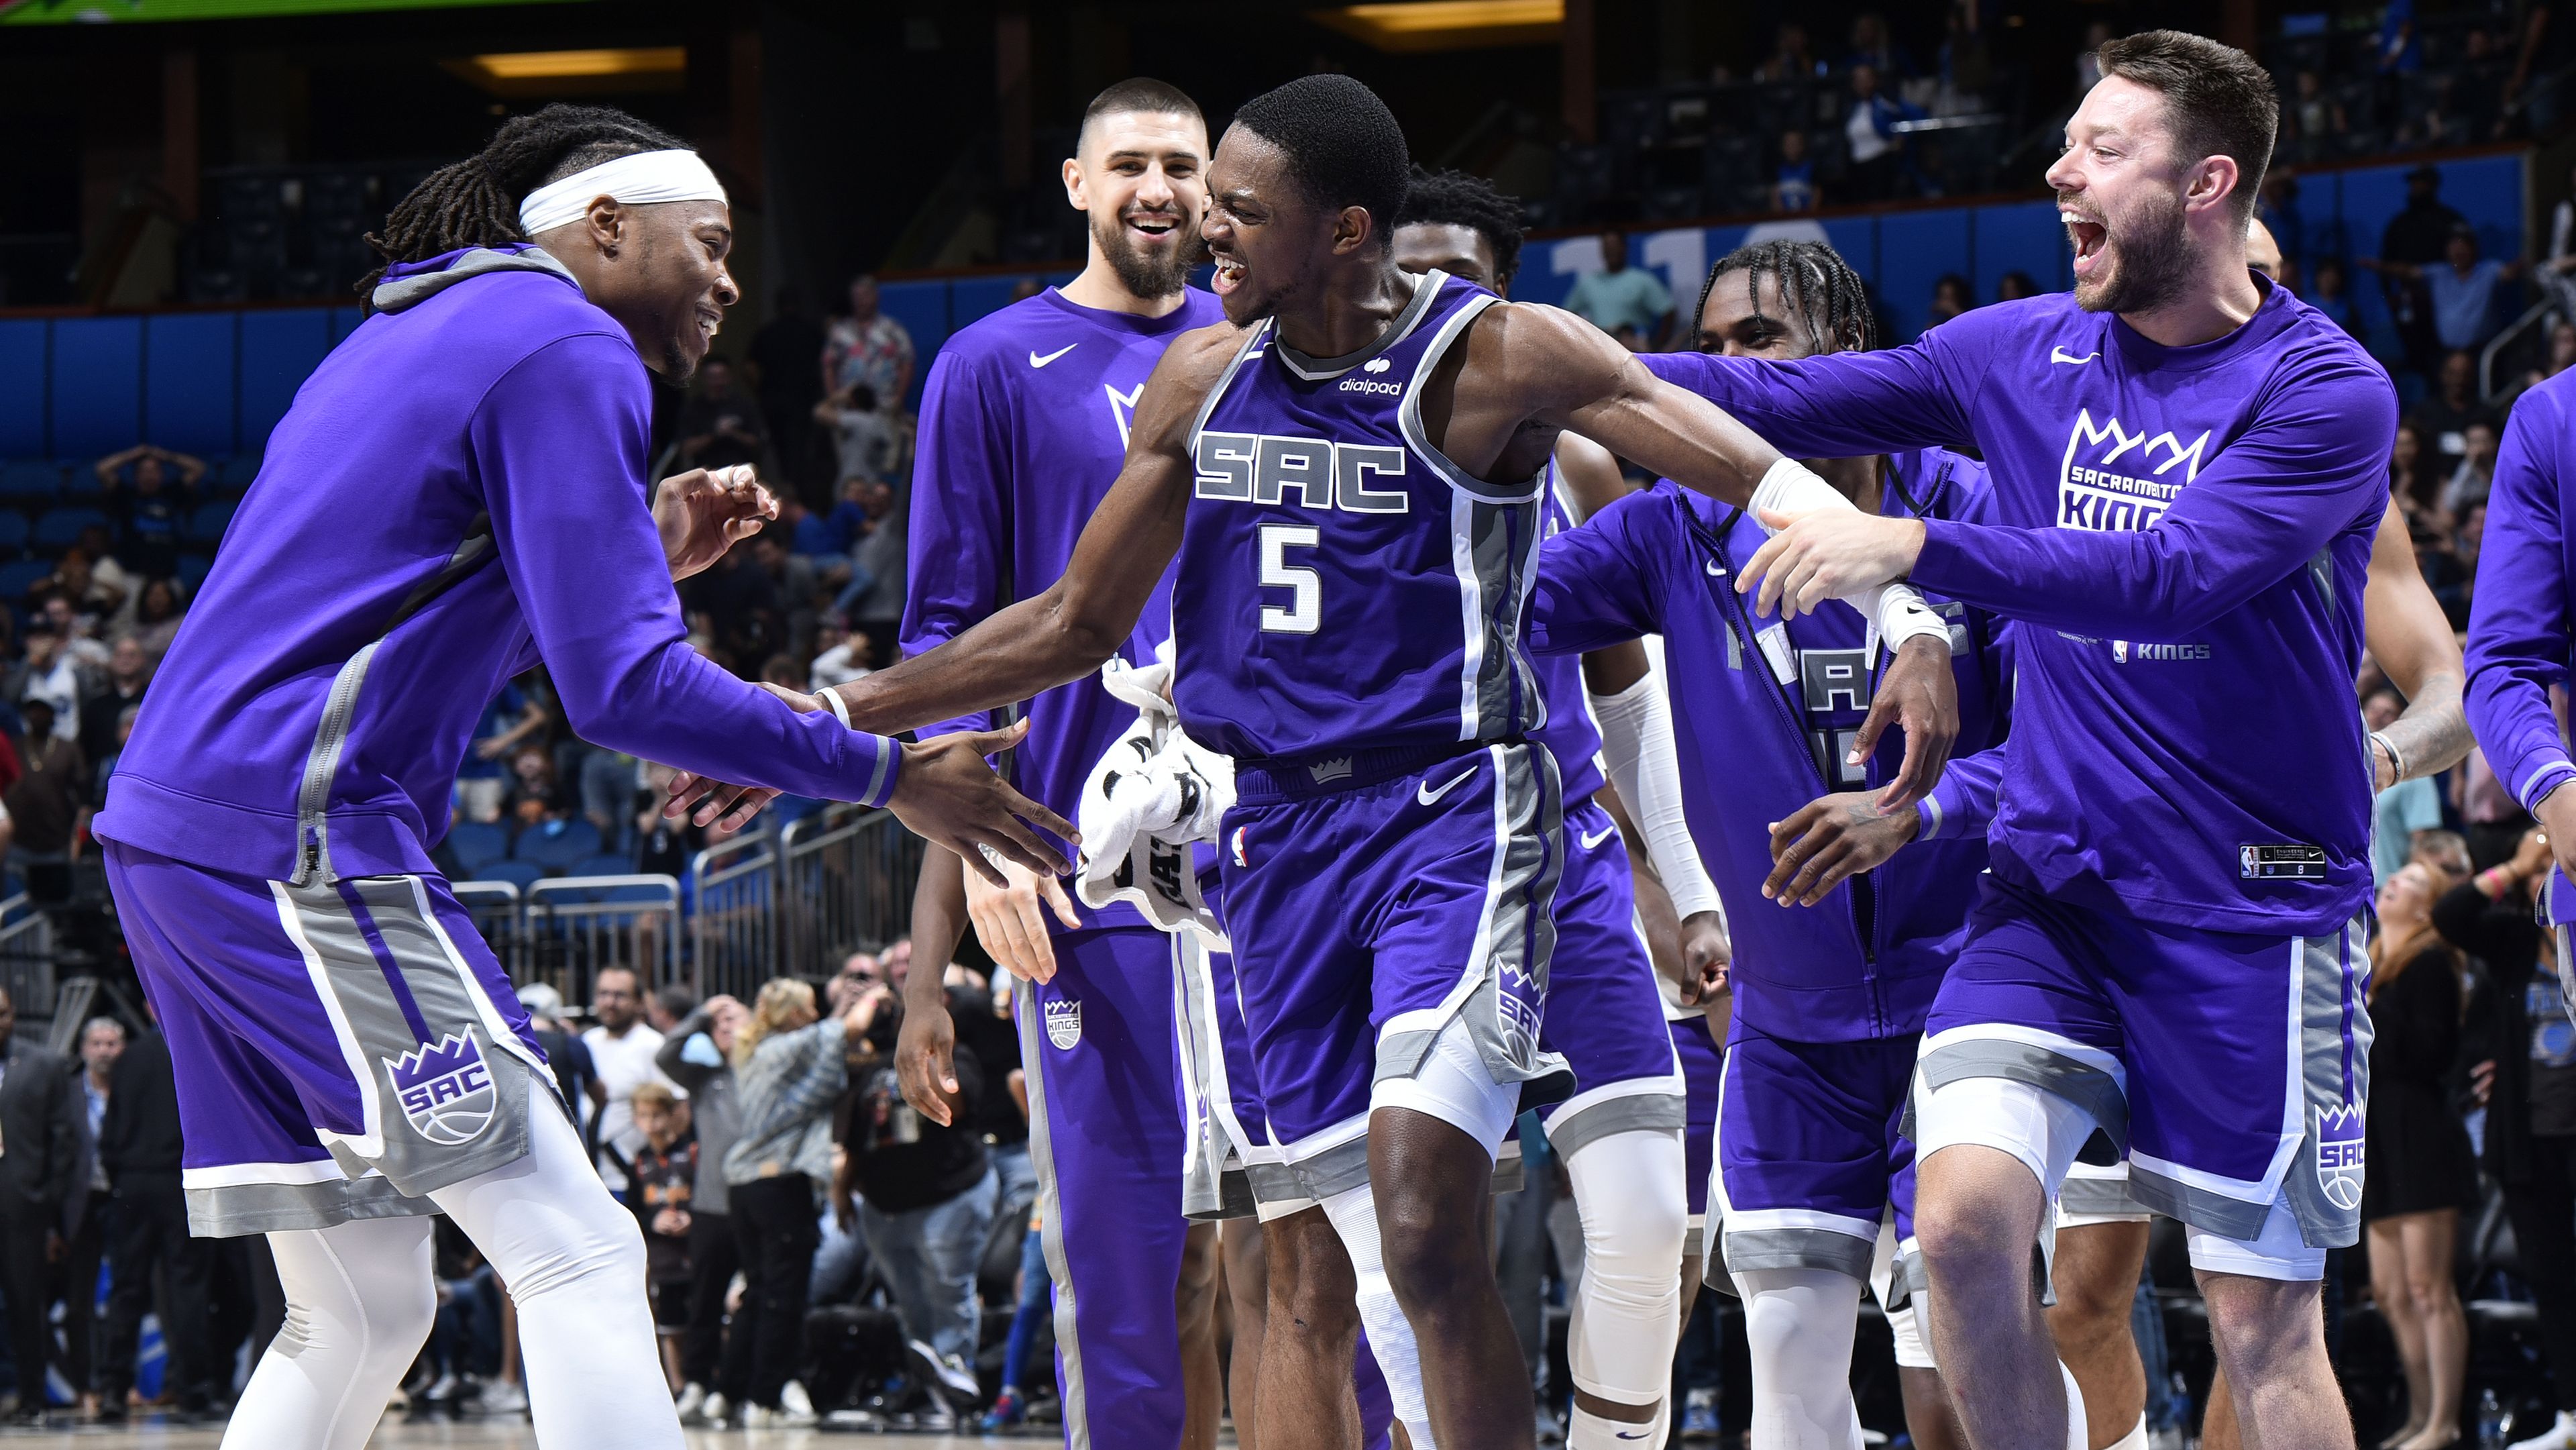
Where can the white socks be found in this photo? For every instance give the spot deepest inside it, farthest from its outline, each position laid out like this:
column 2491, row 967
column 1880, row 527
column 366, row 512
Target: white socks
column 360, row 1297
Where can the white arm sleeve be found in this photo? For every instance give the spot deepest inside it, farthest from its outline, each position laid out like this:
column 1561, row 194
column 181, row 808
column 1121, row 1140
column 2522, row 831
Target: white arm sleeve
column 1637, row 748
column 1894, row 611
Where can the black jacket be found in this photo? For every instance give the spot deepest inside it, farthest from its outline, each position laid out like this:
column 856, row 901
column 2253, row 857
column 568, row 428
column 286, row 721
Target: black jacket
column 42, row 1124
column 141, row 1131
column 2503, row 935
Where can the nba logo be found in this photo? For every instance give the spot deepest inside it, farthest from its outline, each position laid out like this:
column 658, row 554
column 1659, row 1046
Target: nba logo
column 1236, row 846
column 2339, row 1155
column 446, row 1091
column 2119, row 651
column 1064, row 1023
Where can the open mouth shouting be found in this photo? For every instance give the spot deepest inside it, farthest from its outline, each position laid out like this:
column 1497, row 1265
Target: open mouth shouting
column 2090, row 237
column 1229, row 273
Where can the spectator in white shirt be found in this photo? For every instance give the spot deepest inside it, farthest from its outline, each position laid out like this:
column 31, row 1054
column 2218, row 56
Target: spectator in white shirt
column 622, row 1048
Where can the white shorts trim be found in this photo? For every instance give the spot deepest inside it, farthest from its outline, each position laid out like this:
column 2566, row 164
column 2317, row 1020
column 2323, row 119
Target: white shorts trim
column 2280, row 1253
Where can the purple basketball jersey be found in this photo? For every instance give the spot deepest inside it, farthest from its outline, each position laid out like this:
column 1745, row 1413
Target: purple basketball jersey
column 1570, row 734
column 1346, row 586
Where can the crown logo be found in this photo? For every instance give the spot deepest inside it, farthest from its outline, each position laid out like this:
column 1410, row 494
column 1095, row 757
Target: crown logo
column 2340, row 1150
column 445, row 1088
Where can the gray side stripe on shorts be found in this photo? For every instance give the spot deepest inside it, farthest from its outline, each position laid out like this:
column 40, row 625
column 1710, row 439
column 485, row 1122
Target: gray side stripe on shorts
column 1570, row 1133
column 1068, row 1338
column 1693, row 1246
column 2088, row 1088
column 1068, row 1324
column 1203, row 1186
column 2209, row 1212
column 1744, row 1250
column 1522, row 938
column 1273, row 1182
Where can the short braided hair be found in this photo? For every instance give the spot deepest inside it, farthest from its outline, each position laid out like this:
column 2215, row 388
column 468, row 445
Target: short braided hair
column 1454, row 198
column 1815, row 283
column 475, row 202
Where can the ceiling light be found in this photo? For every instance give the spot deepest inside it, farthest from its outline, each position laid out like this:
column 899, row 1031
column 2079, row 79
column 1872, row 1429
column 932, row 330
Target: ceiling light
column 1447, row 24
column 637, row 68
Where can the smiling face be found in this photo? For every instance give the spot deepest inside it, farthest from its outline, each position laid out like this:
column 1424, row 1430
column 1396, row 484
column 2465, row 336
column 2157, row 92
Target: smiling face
column 2408, row 895
column 659, row 269
column 1142, row 176
column 2120, row 191
column 1268, row 239
column 1745, row 317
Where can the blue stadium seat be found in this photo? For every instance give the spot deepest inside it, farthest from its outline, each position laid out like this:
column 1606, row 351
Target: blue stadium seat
column 603, row 866
column 61, row 528
column 522, row 874
column 30, row 482
column 81, row 481
column 238, row 472
column 16, row 579
column 556, row 845
column 192, row 570
column 477, row 844
column 206, row 526
column 13, row 532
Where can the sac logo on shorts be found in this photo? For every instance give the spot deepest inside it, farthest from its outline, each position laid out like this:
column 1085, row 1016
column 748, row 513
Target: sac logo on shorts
column 446, row 1091
column 2339, row 1155
column 1064, row 1023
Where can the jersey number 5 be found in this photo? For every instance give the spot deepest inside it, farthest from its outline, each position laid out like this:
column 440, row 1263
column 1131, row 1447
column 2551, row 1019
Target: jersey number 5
column 1305, row 587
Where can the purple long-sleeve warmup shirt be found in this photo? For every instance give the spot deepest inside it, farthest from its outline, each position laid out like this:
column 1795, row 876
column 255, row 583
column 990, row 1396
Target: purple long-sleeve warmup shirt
column 2519, row 630
column 2185, row 532
column 457, row 495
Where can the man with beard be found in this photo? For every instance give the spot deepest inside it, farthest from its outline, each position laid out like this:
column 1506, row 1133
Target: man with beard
column 1349, row 475
column 2189, row 465
column 1023, row 421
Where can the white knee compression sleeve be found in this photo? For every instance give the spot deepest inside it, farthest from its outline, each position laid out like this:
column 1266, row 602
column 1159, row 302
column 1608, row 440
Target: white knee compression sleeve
column 2136, row 1439
column 2040, row 1128
column 1799, row 1323
column 1454, row 1085
column 359, row 1300
column 573, row 1259
column 1629, row 1193
column 1390, row 1335
column 1913, row 1345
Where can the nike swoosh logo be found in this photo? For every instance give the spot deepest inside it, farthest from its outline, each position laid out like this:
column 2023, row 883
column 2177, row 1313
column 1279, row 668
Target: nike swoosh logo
column 1640, row 1435
column 2061, row 355
column 1036, row 361
column 1715, row 569
column 1432, row 797
column 1606, row 833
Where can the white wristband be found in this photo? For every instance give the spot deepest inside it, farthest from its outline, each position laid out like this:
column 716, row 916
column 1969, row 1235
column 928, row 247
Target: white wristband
column 1900, row 615
column 840, row 711
column 1791, row 487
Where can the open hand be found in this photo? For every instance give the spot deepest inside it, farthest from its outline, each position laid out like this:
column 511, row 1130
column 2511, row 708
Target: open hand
column 1828, row 841
column 702, row 513
column 925, row 1062
column 950, row 797
column 1826, row 554
column 1919, row 693
column 1008, row 923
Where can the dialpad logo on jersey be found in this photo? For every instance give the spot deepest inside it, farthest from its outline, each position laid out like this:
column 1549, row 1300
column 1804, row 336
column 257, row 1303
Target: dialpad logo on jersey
column 1373, row 367
column 1064, row 1023
column 2339, row 1155
column 446, row 1091
column 1265, row 468
column 2113, row 480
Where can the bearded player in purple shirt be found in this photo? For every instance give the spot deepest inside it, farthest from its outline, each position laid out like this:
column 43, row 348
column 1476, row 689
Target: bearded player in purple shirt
column 2189, row 465
column 1023, row 421
column 458, row 495
column 1348, row 473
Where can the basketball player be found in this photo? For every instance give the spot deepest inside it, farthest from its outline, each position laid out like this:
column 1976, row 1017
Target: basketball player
column 2189, row 464
column 457, row 495
column 1829, row 1004
column 1620, row 1135
column 1023, row 421
column 1392, row 858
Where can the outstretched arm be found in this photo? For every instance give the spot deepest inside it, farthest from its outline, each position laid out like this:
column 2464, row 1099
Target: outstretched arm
column 2413, row 643
column 1085, row 615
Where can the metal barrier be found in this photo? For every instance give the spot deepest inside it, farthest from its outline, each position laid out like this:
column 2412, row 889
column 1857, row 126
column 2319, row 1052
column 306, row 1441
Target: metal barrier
column 847, row 875
column 573, row 927
column 494, row 905
column 733, row 922
column 27, row 955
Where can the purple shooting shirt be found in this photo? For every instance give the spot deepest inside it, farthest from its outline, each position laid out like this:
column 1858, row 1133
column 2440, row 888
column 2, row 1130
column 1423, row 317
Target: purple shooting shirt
column 2518, row 626
column 491, row 427
column 2186, row 532
column 1023, row 427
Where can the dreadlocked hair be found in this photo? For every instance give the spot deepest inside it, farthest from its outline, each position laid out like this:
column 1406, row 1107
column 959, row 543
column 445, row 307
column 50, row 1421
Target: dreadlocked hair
column 475, row 202
column 1456, row 199
column 1815, row 283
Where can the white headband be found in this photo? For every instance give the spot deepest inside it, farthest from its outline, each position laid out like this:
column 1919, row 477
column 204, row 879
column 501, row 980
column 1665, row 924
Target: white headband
column 640, row 179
